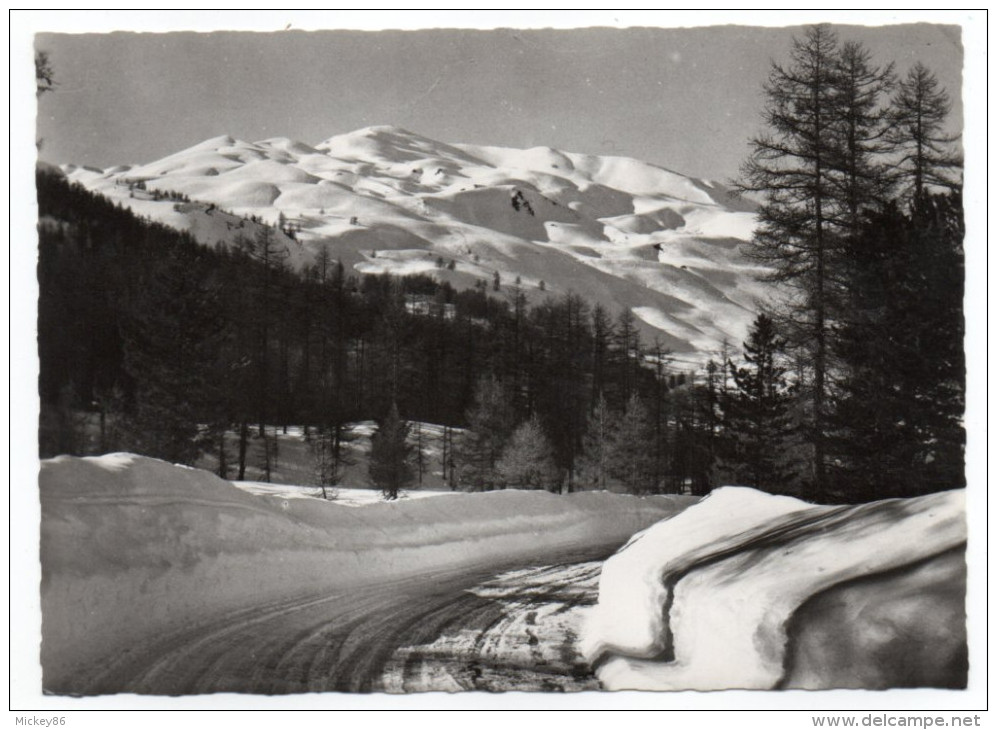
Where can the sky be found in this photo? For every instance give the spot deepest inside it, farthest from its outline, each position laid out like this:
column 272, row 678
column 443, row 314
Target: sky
column 685, row 98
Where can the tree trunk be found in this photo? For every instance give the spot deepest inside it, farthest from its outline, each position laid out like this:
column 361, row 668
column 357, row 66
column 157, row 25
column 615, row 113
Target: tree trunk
column 222, row 457
column 243, row 441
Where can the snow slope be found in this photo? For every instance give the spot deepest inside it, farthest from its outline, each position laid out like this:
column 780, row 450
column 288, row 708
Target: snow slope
column 625, row 233
column 749, row 590
column 133, row 548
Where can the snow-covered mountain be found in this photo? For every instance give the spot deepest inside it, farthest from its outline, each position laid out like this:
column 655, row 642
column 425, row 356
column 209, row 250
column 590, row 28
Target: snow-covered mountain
column 615, row 230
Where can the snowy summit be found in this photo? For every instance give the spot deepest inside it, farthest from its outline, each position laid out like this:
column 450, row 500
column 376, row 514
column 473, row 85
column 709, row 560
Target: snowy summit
column 626, row 233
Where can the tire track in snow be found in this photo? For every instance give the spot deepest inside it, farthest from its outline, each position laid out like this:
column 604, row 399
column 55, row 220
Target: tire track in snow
column 473, row 629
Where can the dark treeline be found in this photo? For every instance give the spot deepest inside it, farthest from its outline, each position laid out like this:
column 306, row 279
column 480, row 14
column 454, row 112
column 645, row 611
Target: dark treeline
column 165, row 345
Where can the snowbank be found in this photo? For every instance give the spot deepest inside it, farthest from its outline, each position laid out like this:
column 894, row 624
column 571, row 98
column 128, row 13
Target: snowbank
column 133, row 548
column 709, row 598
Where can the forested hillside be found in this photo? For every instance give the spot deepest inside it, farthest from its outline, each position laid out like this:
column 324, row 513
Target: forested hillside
column 159, row 345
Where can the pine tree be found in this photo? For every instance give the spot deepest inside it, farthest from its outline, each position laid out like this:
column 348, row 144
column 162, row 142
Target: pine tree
column 266, row 250
column 899, row 420
column 171, row 347
column 721, row 438
column 793, row 167
column 626, row 354
column 631, row 452
column 602, row 336
column 758, row 413
column 390, row 468
column 692, row 446
column 860, row 175
column 527, row 461
column 390, row 332
column 854, row 270
column 490, row 422
column 919, row 111
column 659, row 411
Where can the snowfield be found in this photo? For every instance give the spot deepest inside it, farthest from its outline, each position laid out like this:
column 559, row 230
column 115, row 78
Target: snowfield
column 754, row 591
column 136, row 550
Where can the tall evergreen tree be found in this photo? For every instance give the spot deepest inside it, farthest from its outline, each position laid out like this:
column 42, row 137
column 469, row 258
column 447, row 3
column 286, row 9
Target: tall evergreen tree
column 390, row 467
column 794, row 168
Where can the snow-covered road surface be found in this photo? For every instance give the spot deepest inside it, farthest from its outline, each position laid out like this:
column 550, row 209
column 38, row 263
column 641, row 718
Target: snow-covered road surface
column 162, row 579
column 442, row 631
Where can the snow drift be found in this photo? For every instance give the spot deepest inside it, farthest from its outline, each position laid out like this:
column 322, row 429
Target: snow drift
column 133, row 548
column 754, row 591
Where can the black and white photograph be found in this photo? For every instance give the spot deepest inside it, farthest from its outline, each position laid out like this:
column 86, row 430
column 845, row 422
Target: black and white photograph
column 499, row 359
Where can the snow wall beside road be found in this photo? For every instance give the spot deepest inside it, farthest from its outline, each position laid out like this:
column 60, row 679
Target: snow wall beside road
column 754, row 591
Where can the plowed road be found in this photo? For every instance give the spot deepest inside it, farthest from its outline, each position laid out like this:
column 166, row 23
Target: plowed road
column 507, row 627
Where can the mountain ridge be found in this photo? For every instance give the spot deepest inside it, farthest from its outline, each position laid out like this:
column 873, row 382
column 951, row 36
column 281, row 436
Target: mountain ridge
column 382, row 199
